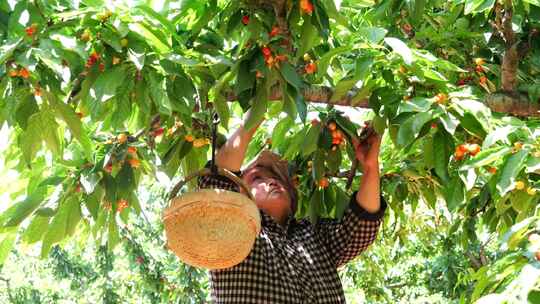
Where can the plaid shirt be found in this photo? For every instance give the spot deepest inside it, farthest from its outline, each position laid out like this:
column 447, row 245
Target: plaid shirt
column 297, row 263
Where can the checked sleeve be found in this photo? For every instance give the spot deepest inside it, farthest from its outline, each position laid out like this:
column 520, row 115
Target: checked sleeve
column 346, row 238
column 220, row 182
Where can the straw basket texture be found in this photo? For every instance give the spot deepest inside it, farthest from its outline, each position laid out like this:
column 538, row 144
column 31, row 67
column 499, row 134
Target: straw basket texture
column 212, row 228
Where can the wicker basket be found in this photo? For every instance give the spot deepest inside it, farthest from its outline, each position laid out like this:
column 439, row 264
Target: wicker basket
column 211, row 228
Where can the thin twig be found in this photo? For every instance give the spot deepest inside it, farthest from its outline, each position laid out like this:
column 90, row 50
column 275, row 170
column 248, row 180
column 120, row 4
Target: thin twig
column 8, row 287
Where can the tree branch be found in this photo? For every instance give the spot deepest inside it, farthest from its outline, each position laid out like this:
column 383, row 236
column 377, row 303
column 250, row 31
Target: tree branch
column 515, row 104
column 396, row 285
column 315, row 94
column 476, row 263
column 502, row 103
column 8, row 287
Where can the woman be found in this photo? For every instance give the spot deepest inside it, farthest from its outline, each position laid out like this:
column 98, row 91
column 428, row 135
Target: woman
column 294, row 261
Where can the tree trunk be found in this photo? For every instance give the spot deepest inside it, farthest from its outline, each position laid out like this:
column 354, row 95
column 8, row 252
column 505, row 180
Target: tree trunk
column 509, row 69
column 510, row 62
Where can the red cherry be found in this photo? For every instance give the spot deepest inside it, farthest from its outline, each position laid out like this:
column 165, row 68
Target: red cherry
column 266, row 51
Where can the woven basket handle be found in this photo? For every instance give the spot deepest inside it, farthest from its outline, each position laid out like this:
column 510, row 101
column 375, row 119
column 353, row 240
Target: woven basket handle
column 207, row 171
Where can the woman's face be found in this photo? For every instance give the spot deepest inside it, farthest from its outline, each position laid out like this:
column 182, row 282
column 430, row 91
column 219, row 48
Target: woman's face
column 269, row 192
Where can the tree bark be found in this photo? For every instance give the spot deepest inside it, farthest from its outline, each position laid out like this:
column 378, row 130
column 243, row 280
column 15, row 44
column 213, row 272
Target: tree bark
column 315, row 94
column 513, row 104
column 511, row 57
column 475, row 262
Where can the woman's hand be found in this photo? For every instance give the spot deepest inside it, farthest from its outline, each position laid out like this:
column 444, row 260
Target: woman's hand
column 367, row 150
column 367, row 153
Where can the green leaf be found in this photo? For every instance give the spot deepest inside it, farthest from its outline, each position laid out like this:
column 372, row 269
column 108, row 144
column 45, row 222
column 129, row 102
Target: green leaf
column 295, row 144
column 26, row 107
column 429, row 195
column 410, row 129
column 73, row 122
column 321, row 21
column 290, row 75
column 89, row 181
column 111, row 38
column 47, row 53
column 289, row 103
column 516, row 233
column 510, row 169
column 41, row 126
column 280, row 131
column 62, row 225
column 498, row 135
column 332, row 8
column 220, row 103
column 533, row 2
column 372, row 34
column 449, row 122
column 245, row 78
column 311, row 140
column 107, row 83
column 6, row 50
column 478, row 6
column 93, row 201
column 442, row 144
column 21, row 210
column 455, row 193
column 149, row 12
column 363, row 68
column 309, row 36
column 333, row 160
column 432, row 74
column 533, row 165
column 418, row 10
column 50, row 133
column 152, row 36
column 325, row 139
column 347, row 126
column 114, row 235
column 259, row 105
column 521, row 203
column 342, row 202
column 342, row 88
column 318, row 168
column 416, row 104
column 172, row 151
column 431, row 60
column 486, row 157
column 36, row 229
column 474, row 116
column 138, row 59
column 315, row 205
column 324, row 61
column 534, row 295
column 401, row 49
column 7, row 240
column 300, row 103
column 158, row 94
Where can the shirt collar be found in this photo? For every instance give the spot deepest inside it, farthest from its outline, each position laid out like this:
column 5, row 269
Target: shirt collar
column 269, row 222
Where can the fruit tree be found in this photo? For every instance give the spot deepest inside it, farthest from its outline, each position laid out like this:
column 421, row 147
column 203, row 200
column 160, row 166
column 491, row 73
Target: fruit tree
column 101, row 99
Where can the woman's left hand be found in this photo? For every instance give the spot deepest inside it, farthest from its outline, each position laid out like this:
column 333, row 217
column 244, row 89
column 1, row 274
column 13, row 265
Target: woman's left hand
column 367, row 151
